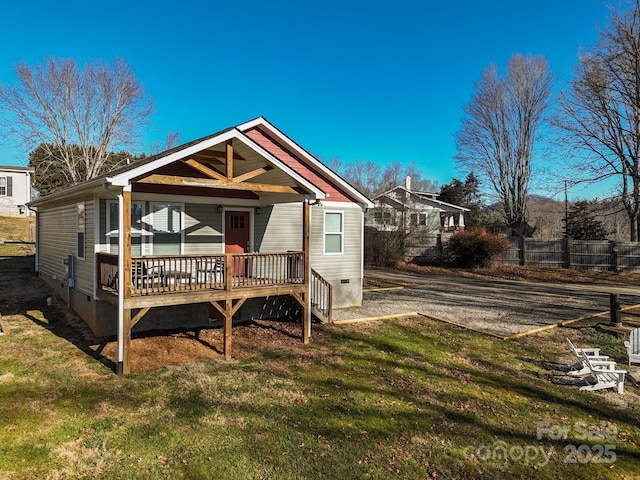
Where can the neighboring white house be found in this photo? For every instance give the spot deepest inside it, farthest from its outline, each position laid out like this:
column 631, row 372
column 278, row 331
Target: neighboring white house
column 15, row 190
column 426, row 220
column 404, row 209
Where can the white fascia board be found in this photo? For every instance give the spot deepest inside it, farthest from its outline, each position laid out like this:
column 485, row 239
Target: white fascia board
column 422, row 198
column 281, row 165
column 388, row 192
column 125, row 178
column 341, row 205
column 390, row 200
column 73, row 192
column 261, row 121
column 16, row 169
column 445, row 204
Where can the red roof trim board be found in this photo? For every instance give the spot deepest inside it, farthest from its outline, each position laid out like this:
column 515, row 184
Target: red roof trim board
column 271, row 145
column 304, row 158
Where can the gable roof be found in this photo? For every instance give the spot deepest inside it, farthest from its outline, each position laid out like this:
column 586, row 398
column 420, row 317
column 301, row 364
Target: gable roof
column 422, row 196
column 262, row 123
column 125, row 175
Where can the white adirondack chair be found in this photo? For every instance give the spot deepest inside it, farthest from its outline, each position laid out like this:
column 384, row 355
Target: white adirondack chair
column 597, row 360
column 603, row 377
column 633, row 346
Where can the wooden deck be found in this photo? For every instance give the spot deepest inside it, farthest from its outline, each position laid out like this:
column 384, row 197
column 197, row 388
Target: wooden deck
column 185, row 279
column 181, row 279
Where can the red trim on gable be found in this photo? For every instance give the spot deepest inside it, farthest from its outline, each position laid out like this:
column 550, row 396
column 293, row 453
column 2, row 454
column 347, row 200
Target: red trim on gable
column 297, row 164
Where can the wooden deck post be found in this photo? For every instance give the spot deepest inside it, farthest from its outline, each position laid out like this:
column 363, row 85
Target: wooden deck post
column 228, row 306
column 306, row 307
column 228, row 327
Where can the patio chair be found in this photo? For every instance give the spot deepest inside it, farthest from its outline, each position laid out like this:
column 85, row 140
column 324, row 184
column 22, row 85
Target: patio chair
column 210, row 270
column 597, row 360
column 633, row 346
column 601, row 378
column 146, row 274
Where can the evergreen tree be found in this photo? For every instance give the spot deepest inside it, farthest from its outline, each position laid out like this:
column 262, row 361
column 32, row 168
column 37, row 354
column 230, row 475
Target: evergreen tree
column 581, row 224
column 465, row 194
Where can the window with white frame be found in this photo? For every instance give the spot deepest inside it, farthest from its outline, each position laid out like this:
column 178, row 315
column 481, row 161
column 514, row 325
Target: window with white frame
column 112, row 227
column 4, row 189
column 81, row 230
column 333, row 232
column 382, row 217
column 167, row 228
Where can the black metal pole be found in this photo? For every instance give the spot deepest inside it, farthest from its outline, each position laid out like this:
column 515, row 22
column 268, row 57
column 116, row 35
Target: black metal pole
column 615, row 309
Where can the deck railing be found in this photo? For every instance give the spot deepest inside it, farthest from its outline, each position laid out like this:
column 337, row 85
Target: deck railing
column 321, row 296
column 179, row 273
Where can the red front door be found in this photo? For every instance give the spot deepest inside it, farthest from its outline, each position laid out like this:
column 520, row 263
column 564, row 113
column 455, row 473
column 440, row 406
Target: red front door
column 237, row 236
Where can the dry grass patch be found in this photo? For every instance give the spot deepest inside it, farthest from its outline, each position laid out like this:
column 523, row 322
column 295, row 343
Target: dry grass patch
column 531, row 274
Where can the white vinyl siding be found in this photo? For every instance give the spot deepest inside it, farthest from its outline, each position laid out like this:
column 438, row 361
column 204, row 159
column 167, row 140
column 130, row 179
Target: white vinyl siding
column 279, row 229
column 203, row 230
column 58, row 229
column 347, row 267
column 15, row 192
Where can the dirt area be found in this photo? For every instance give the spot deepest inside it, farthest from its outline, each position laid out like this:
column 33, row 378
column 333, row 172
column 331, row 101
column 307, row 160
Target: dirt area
column 23, row 293
column 152, row 351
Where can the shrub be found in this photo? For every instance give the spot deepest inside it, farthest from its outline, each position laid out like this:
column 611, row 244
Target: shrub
column 476, row 248
column 383, row 249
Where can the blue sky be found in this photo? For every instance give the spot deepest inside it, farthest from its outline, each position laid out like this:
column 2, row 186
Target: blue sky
column 370, row 80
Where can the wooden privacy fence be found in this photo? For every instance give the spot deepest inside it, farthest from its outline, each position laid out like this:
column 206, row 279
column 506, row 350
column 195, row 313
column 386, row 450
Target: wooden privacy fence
column 578, row 254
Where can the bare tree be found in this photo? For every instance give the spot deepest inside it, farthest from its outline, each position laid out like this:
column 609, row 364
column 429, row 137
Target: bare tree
column 334, row 163
column 600, row 115
column 79, row 115
column 171, row 139
column 365, row 176
column 395, row 173
column 498, row 134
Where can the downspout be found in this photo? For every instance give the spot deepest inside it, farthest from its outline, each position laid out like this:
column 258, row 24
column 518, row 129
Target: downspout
column 306, row 246
column 121, row 285
column 120, row 359
column 308, row 300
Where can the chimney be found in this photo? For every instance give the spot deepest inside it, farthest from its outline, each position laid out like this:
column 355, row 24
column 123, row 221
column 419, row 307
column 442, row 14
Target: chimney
column 407, row 183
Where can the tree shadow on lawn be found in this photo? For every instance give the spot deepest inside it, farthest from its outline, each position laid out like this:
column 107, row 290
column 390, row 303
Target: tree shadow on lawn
column 23, row 293
column 494, row 374
column 373, row 390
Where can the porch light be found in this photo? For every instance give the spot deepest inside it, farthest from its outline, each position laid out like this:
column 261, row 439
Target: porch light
column 220, row 208
column 258, row 210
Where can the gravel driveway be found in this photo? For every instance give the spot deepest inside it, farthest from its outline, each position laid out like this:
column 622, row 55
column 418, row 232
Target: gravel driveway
column 500, row 307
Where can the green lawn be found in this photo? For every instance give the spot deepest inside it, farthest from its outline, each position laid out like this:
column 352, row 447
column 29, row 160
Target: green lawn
column 16, row 236
column 399, row 399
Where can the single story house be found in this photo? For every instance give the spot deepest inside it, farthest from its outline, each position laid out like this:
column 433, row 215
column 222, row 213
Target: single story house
column 15, row 190
column 241, row 224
